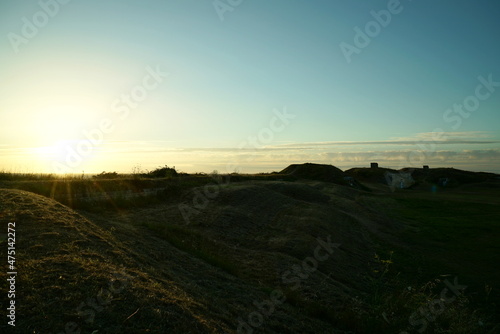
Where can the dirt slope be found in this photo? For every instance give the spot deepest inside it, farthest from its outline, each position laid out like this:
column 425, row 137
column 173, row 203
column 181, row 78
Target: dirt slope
column 264, row 231
column 253, row 257
column 115, row 276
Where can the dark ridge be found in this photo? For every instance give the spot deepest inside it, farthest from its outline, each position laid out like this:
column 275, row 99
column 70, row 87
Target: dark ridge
column 439, row 176
column 318, row 172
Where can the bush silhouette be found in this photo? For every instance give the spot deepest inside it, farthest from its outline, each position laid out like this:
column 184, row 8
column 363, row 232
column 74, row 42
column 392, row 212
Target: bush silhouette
column 162, row 172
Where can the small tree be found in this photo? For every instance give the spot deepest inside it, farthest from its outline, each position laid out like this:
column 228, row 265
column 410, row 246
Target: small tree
column 106, row 175
column 162, row 172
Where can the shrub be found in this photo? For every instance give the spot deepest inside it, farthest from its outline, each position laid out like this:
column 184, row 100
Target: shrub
column 162, row 172
column 106, row 175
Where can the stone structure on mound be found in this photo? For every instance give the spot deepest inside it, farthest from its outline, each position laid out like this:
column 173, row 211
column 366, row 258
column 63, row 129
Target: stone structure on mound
column 401, row 180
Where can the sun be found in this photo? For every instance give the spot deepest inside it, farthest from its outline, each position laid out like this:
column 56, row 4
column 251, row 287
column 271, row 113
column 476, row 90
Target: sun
column 63, row 121
column 56, row 129
column 62, row 135
column 59, row 123
column 55, row 152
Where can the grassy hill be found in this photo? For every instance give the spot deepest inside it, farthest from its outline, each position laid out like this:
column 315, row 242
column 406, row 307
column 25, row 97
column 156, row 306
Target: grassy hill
column 259, row 255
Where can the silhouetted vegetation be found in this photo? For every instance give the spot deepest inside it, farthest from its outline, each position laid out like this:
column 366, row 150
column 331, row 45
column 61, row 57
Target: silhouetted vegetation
column 161, row 172
column 106, row 175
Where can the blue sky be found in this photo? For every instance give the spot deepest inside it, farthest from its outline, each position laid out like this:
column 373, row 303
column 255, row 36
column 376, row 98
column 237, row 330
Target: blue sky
column 223, row 82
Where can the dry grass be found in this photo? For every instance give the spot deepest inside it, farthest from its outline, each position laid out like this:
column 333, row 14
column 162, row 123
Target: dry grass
column 202, row 277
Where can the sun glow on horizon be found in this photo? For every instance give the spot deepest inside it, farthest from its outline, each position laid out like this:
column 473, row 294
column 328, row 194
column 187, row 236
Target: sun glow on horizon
column 54, row 152
column 192, row 97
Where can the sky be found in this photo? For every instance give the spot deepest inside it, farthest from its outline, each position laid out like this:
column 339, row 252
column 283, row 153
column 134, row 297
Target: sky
column 248, row 85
